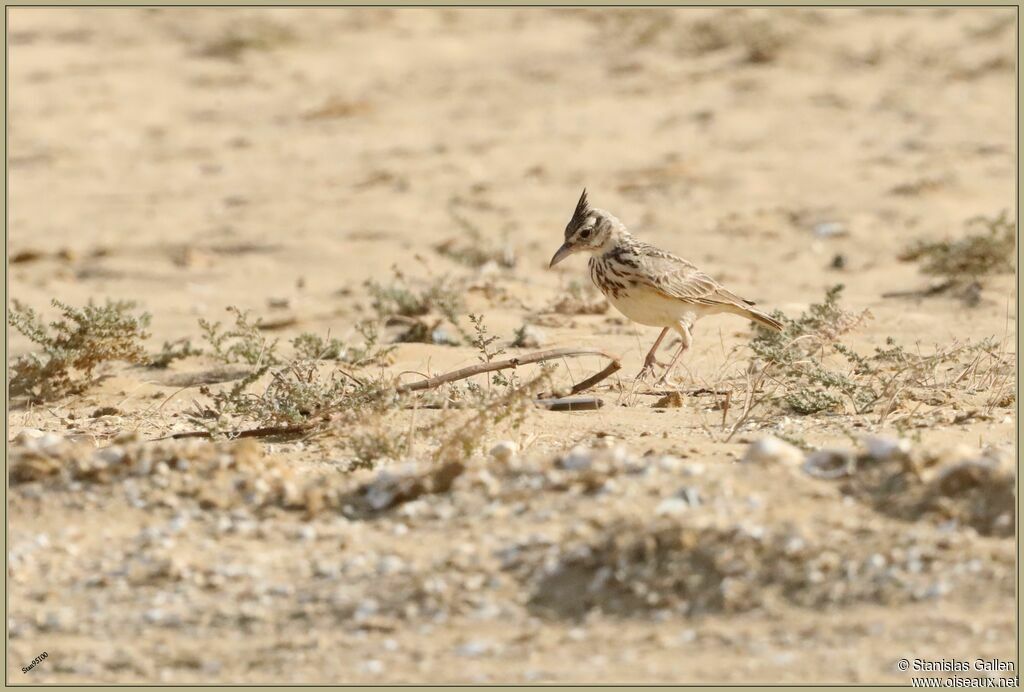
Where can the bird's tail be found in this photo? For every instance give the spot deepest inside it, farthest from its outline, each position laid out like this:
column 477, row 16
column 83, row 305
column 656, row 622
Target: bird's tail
column 763, row 319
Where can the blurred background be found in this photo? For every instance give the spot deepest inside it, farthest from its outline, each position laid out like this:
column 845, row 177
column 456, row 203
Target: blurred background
column 220, row 156
column 277, row 159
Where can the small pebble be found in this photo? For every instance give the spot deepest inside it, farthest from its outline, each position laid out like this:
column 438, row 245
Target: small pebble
column 829, row 464
column 372, row 666
column 671, row 506
column 504, row 451
column 885, row 448
column 829, row 229
column 474, row 649
column 579, row 458
column 112, row 455
column 530, row 337
column 772, row 450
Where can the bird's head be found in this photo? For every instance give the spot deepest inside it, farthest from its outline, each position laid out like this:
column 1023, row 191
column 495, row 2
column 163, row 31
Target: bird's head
column 589, row 230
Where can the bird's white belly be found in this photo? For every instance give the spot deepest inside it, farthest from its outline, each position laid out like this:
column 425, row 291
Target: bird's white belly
column 654, row 309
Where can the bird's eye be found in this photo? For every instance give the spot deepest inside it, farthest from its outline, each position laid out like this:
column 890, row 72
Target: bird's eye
column 585, row 233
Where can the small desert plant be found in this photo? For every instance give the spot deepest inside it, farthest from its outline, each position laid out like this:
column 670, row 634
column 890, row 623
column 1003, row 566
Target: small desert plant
column 521, row 338
column 408, row 303
column 74, row 346
column 244, row 343
column 988, row 248
column 309, row 346
column 475, row 248
column 242, row 38
column 402, row 298
column 462, row 437
column 296, row 396
column 303, row 399
column 805, row 368
column 579, row 300
column 482, row 340
column 527, row 336
column 892, row 374
column 172, row 351
column 448, row 439
column 793, row 355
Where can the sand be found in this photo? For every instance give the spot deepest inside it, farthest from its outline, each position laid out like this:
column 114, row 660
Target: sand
column 277, row 159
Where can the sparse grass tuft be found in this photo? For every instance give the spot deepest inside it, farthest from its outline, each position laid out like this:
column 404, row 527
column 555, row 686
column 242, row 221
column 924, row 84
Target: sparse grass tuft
column 74, row 346
column 989, row 249
column 244, row 343
column 806, row 370
column 309, row 346
column 172, row 351
column 580, row 300
column 793, row 356
column 511, row 406
column 296, row 395
column 407, row 303
column 247, row 37
column 475, row 248
column 748, row 37
column 401, row 298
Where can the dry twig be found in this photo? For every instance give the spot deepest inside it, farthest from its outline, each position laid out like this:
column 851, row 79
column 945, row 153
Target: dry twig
column 538, row 357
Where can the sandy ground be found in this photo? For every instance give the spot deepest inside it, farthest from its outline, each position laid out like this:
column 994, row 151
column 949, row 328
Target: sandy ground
column 277, row 159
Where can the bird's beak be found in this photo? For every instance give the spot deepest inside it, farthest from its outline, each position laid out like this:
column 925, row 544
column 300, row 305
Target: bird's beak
column 562, row 253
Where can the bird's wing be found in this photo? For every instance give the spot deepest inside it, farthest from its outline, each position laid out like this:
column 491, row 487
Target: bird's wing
column 677, row 278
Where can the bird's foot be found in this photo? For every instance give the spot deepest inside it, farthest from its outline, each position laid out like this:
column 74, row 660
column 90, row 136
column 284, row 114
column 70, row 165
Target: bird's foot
column 650, row 361
column 663, row 380
column 645, row 371
column 648, row 369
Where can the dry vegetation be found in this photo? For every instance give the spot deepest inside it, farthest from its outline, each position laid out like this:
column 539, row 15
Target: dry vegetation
column 73, row 347
column 382, row 442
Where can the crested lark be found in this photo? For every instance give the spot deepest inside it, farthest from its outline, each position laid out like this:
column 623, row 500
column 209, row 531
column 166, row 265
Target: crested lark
column 648, row 285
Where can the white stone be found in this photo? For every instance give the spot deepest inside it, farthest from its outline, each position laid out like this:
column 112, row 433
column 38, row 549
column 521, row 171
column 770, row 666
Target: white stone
column 504, row 451
column 670, row 464
column 579, row 458
column 473, row 649
column 111, row 456
column 47, row 443
column 829, row 464
column 671, row 506
column 884, row 448
column 28, row 434
column 372, row 666
column 772, row 450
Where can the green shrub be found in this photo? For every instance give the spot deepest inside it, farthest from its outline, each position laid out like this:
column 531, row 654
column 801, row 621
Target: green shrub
column 74, row 346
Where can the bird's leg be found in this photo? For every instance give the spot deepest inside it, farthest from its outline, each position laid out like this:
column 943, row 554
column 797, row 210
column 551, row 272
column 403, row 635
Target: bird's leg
column 684, row 333
column 650, row 360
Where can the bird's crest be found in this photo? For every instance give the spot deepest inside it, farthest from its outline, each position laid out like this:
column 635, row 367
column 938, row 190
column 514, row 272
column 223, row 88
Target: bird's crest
column 580, row 215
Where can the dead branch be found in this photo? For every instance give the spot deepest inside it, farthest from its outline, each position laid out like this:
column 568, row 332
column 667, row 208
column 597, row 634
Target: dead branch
column 586, row 384
column 269, row 431
column 932, row 290
column 538, row 357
